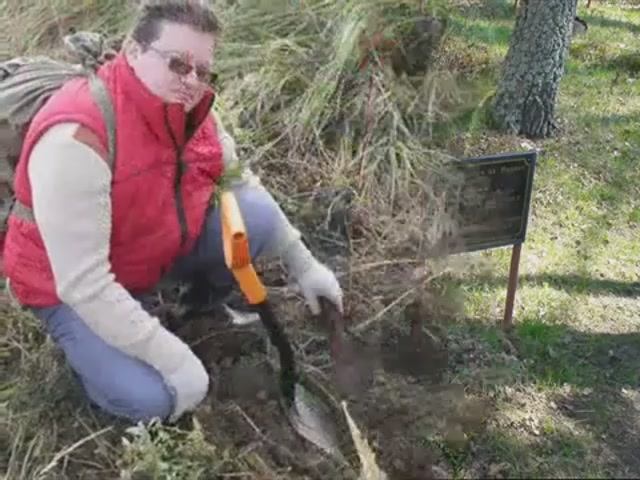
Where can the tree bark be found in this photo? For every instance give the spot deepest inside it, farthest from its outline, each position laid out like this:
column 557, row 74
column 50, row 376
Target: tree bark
column 526, row 95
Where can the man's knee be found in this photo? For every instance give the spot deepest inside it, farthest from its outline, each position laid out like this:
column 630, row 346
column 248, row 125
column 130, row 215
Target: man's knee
column 153, row 401
column 261, row 216
column 138, row 396
column 117, row 383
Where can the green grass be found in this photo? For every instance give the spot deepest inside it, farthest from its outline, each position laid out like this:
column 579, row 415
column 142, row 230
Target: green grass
column 558, row 383
column 577, row 315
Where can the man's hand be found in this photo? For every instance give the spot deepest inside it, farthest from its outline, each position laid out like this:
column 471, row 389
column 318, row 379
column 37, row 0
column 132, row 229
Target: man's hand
column 313, row 279
column 182, row 371
column 189, row 384
column 318, row 281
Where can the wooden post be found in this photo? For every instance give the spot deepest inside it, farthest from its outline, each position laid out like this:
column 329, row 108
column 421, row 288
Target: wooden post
column 507, row 322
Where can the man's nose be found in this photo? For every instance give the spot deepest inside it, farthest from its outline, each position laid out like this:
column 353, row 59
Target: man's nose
column 191, row 78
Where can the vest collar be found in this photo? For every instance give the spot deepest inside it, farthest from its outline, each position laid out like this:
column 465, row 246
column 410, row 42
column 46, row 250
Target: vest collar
column 172, row 125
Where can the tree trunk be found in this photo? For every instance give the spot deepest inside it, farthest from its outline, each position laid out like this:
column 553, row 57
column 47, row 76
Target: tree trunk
column 526, row 95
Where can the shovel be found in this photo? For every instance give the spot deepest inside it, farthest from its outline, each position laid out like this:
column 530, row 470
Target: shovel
column 308, row 415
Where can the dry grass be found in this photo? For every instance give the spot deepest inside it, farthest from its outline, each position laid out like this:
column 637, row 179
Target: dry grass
column 368, row 152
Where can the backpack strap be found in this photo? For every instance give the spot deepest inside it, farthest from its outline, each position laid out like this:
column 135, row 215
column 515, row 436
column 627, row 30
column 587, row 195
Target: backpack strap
column 102, row 99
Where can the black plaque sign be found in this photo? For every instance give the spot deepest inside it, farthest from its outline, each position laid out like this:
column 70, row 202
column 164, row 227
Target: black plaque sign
column 493, row 203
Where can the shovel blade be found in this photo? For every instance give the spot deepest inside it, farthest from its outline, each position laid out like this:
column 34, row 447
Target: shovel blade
column 311, row 419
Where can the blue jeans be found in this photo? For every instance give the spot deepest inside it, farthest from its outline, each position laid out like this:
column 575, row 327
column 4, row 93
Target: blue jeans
column 125, row 386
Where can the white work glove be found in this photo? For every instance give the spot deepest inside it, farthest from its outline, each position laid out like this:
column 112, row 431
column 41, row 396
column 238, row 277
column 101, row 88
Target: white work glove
column 313, row 279
column 182, row 371
column 189, row 385
column 318, row 281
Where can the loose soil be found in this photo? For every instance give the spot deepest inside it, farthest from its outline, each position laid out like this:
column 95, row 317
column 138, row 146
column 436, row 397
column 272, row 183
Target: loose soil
column 401, row 415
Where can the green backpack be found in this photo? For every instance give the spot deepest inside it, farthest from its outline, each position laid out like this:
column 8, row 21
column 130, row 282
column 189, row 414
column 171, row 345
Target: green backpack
column 26, row 83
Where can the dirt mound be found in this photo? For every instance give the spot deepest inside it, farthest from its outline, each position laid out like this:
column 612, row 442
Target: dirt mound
column 403, row 416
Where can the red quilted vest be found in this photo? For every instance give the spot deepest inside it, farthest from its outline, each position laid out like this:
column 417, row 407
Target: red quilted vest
column 166, row 166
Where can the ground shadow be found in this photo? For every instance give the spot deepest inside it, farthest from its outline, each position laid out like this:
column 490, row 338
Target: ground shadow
column 488, row 34
column 504, row 10
column 491, row 10
column 602, row 371
column 571, row 283
column 614, row 119
column 611, row 160
column 584, row 64
column 627, row 62
column 606, row 22
column 611, row 414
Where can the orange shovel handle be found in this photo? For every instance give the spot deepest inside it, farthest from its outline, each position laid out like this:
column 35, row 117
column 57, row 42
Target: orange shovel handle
column 237, row 255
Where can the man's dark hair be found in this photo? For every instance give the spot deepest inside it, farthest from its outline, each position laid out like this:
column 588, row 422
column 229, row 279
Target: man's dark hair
column 153, row 13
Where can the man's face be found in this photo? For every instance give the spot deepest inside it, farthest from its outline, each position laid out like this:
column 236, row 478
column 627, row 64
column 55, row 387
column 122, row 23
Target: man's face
column 170, row 66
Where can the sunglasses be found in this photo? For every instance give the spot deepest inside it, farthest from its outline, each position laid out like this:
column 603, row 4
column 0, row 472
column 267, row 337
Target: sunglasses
column 180, row 64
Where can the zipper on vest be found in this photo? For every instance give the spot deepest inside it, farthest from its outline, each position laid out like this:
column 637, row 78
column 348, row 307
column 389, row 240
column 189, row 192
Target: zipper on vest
column 182, row 219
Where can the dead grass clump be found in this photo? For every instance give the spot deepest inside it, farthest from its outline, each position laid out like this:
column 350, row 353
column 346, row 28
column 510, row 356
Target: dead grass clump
column 294, row 96
column 38, row 27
